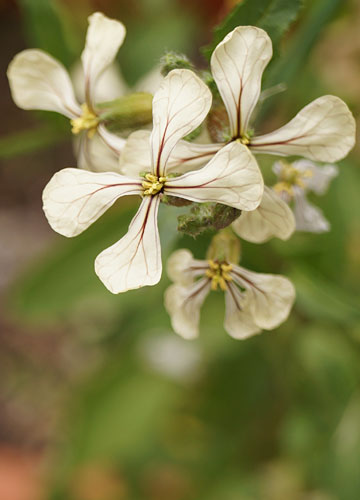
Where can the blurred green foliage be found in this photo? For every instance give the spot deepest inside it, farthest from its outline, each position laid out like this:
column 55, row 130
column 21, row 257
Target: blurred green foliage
column 273, row 418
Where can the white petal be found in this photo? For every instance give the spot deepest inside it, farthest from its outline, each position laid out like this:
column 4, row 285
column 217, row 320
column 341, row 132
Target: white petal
column 96, row 155
column 270, row 296
column 135, row 260
column 238, row 320
column 179, row 106
column 308, row 217
column 182, row 267
column 322, row 131
column 272, row 218
column 237, row 65
column 103, row 39
column 110, row 84
column 187, row 156
column 320, row 177
column 38, row 81
column 74, row 198
column 232, row 177
column 136, row 157
column 183, row 304
column 113, row 141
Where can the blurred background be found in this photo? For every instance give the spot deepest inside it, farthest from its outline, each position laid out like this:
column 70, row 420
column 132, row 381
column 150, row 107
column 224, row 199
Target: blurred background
column 99, row 399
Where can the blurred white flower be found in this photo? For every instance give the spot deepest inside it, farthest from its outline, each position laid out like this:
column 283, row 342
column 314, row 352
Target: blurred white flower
column 172, row 356
column 295, row 180
column 253, row 301
column 74, row 199
column 38, row 81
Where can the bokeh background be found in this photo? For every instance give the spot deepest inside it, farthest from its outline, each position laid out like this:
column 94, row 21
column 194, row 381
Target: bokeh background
column 99, row 399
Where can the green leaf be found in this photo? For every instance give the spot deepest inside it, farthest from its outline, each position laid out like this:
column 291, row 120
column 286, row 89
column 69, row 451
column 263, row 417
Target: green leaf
column 286, row 69
column 322, row 299
column 47, row 25
column 274, row 16
column 27, row 141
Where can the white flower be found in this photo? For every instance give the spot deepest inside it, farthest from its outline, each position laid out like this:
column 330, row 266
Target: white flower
column 171, row 356
column 38, row 81
column 322, row 131
column 253, row 301
column 75, row 198
column 295, row 181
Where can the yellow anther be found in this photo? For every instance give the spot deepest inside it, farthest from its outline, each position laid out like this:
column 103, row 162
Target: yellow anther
column 289, row 177
column 87, row 121
column 219, row 274
column 153, row 184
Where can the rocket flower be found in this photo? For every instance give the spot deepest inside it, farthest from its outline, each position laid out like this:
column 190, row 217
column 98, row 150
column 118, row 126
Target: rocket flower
column 253, row 301
column 38, row 81
column 297, row 179
column 74, row 198
column 323, row 131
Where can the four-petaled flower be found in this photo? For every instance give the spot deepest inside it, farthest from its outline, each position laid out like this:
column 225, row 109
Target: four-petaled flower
column 323, row 131
column 295, row 180
column 75, row 198
column 253, row 301
column 38, row 81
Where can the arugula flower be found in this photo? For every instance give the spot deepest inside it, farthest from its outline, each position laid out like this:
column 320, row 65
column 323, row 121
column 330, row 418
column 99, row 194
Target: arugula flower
column 38, row 81
column 74, row 199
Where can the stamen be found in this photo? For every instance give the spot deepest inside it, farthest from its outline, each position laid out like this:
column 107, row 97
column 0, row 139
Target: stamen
column 289, row 177
column 218, row 272
column 153, row 184
column 87, row 121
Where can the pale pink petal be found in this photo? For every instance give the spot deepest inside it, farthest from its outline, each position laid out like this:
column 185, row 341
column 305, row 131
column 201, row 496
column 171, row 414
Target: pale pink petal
column 183, row 304
column 135, row 260
column 75, row 198
column 179, row 106
column 239, row 322
column 322, row 131
column 269, row 296
column 308, row 217
column 272, row 218
column 103, row 39
column 237, row 65
column 38, row 81
column 232, row 177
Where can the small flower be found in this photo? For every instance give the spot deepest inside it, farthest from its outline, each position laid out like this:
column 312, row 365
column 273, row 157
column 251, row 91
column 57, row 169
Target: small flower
column 38, row 81
column 253, row 301
column 74, row 199
column 322, row 131
column 295, row 180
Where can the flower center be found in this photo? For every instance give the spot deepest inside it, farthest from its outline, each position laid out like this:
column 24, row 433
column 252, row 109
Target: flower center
column 244, row 139
column 153, row 184
column 218, row 272
column 87, row 121
column 289, row 177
